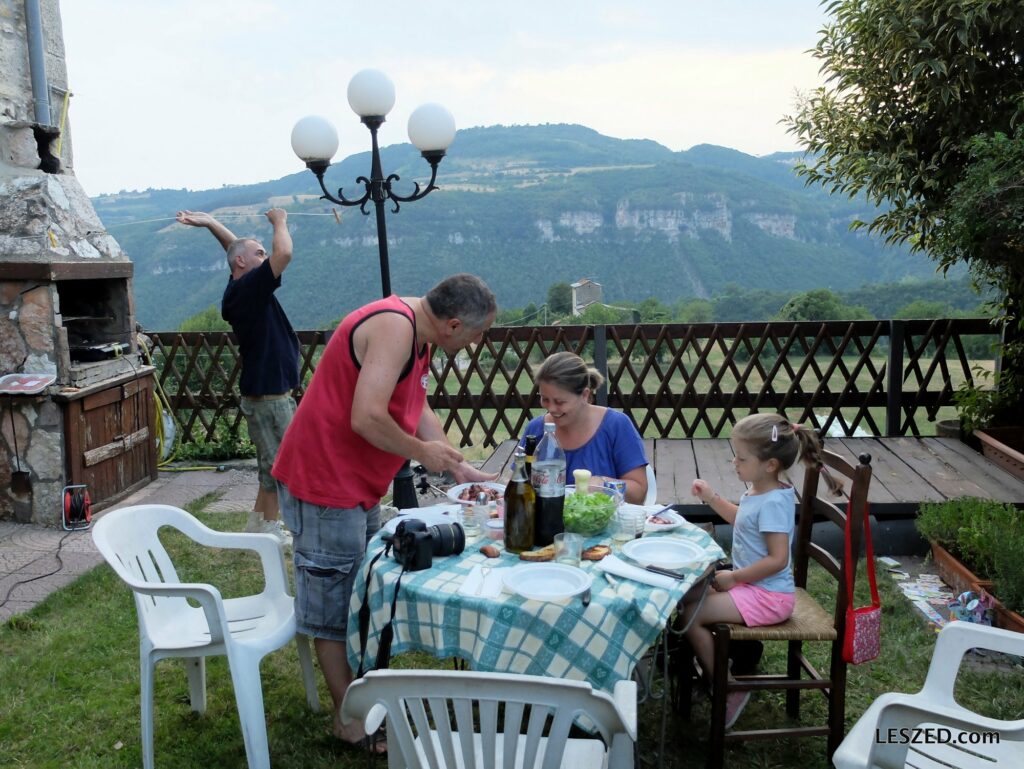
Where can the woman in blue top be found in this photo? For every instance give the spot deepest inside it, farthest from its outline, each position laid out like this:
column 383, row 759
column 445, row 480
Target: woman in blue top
column 594, row 438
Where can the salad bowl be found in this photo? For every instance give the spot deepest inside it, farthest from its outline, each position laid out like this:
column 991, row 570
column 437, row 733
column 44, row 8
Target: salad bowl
column 590, row 512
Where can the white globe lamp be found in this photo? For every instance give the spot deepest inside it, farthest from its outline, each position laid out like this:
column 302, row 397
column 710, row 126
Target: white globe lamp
column 431, row 128
column 371, row 93
column 315, row 140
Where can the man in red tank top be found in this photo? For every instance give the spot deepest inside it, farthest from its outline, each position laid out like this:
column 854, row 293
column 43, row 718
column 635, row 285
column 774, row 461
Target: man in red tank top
column 364, row 413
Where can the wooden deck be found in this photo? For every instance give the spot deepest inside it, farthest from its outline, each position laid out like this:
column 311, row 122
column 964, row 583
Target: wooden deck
column 907, row 472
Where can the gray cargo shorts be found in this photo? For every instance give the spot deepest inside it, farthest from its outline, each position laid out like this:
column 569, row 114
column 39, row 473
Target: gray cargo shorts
column 329, row 544
column 267, row 418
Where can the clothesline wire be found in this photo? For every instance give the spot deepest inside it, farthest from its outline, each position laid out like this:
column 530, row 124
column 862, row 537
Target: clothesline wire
column 168, row 219
column 219, row 217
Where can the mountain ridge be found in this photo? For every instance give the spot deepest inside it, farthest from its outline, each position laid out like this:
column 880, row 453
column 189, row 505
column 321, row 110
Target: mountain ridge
column 523, row 207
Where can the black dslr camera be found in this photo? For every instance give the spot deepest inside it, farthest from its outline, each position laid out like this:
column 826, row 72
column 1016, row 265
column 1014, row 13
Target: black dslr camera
column 415, row 544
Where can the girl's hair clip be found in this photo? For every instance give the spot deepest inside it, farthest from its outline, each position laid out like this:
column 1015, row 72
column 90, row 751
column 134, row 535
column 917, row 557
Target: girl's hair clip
column 775, row 433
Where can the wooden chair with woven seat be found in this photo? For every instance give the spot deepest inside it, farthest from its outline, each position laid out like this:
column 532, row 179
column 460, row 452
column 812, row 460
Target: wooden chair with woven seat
column 810, row 622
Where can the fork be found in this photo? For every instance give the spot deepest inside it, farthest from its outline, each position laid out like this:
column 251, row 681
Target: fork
column 484, row 571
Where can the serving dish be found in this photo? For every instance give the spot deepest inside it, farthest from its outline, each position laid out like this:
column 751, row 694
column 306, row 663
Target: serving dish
column 454, row 492
column 674, row 518
column 585, row 518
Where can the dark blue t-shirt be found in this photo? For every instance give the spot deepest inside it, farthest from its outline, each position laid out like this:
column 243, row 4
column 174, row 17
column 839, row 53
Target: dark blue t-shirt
column 266, row 341
column 614, row 450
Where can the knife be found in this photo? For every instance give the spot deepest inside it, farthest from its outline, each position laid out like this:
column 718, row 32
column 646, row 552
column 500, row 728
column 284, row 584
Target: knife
column 666, row 572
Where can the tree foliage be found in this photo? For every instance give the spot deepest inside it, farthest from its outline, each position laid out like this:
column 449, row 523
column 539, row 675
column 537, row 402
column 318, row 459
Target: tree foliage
column 207, row 320
column 919, row 100
column 984, row 226
column 560, row 298
column 910, row 82
column 820, row 304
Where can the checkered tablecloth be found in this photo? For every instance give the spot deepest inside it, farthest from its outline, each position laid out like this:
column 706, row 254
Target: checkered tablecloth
column 600, row 644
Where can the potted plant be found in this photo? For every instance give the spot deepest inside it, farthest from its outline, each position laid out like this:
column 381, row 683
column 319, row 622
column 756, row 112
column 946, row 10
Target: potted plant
column 978, row 544
column 980, row 409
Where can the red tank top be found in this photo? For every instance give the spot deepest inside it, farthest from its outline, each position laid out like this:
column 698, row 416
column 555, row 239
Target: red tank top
column 322, row 460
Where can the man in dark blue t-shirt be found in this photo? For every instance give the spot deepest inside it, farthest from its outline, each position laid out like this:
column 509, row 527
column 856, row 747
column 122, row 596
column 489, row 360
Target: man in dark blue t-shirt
column 267, row 344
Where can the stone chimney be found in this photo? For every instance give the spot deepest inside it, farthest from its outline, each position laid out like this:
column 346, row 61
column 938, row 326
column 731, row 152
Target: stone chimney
column 65, row 291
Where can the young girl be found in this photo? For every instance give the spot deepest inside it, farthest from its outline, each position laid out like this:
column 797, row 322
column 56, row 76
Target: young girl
column 759, row 589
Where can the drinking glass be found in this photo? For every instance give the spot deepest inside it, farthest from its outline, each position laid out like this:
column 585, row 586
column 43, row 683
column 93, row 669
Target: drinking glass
column 568, row 548
column 627, row 525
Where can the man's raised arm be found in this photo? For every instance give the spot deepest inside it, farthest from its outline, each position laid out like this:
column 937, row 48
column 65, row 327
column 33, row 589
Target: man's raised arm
column 281, row 245
column 200, row 219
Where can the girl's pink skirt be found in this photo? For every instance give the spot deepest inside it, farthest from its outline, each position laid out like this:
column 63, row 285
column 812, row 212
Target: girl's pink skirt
column 758, row 606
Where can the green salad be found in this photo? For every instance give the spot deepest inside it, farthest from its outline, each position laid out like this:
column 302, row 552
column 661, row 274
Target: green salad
column 588, row 513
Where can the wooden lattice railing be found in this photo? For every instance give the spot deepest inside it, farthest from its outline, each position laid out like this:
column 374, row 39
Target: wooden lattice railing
column 876, row 377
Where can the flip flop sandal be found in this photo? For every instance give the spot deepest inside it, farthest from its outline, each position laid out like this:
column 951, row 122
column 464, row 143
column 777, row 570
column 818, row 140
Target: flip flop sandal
column 371, row 741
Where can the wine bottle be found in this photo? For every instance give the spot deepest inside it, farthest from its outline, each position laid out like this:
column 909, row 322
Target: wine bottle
column 520, row 507
column 531, row 447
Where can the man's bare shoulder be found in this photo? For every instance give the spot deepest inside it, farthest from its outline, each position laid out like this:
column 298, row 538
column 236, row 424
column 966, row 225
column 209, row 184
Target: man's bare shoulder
column 383, row 330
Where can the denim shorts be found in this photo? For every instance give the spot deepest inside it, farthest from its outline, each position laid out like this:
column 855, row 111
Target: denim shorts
column 329, row 544
column 267, row 421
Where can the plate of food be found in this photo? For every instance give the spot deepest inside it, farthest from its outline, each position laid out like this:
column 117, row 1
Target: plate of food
column 466, row 493
column 663, row 520
column 546, row 581
column 664, row 552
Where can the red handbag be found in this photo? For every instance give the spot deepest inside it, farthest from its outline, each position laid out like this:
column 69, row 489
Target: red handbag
column 862, row 640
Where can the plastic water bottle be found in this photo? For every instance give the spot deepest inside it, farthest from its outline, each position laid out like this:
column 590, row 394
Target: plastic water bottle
column 548, row 480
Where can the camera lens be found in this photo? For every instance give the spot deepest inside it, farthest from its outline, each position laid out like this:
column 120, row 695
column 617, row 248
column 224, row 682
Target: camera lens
column 448, row 538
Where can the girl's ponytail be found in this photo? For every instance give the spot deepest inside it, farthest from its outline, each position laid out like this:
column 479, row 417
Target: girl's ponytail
column 810, row 455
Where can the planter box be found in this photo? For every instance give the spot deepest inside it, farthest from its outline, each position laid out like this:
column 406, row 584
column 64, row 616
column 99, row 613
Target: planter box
column 1005, row 447
column 953, row 571
column 961, row 579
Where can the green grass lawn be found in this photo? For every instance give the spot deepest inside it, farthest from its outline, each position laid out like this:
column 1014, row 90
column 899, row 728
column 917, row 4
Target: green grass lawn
column 69, row 693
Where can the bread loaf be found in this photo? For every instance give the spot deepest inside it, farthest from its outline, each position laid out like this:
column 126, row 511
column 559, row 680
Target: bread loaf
column 543, row 554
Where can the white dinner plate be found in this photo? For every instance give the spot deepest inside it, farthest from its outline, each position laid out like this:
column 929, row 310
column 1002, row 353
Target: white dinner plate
column 666, row 552
column 429, row 515
column 546, row 581
column 454, row 491
column 668, row 515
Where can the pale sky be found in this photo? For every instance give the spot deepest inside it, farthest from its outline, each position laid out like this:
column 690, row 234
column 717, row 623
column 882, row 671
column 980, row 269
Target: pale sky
column 202, row 93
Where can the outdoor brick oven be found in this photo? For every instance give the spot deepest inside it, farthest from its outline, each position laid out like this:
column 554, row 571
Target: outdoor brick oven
column 66, row 310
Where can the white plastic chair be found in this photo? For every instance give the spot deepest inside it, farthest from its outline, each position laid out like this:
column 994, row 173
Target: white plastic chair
column 245, row 629
column 431, row 720
column 935, row 707
column 652, row 487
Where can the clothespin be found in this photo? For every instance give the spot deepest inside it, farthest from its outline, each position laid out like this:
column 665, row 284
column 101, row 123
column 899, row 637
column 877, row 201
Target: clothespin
column 337, row 216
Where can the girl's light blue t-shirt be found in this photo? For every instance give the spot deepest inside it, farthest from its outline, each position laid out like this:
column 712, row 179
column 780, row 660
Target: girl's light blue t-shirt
column 772, row 512
column 614, row 450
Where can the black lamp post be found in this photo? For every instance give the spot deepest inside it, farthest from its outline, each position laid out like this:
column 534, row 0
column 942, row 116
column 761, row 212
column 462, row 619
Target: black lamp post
column 371, row 95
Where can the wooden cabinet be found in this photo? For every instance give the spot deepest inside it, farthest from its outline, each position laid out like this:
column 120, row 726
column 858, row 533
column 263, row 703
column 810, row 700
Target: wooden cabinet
column 110, row 437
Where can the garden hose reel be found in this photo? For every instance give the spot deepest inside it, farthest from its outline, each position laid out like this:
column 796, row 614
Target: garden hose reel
column 77, row 513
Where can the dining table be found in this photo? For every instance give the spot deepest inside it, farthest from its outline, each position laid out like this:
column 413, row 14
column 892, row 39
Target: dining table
column 466, row 606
